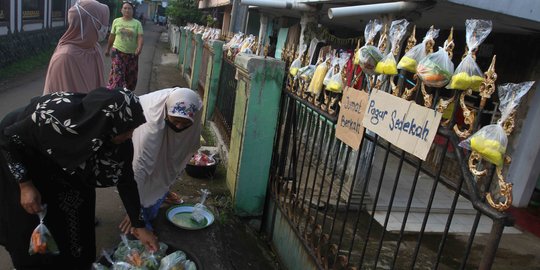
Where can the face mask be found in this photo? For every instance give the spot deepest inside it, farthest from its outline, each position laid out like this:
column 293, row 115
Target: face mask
column 102, row 31
column 174, row 128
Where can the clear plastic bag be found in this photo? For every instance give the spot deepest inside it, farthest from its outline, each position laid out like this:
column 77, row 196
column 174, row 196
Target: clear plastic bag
column 297, row 63
column 99, row 266
column 330, row 72
column 129, row 251
column 316, row 84
column 176, row 260
column 468, row 75
column 388, row 64
column 410, row 60
column 436, row 69
column 41, row 240
column 335, row 84
column 306, row 73
column 199, row 208
column 368, row 56
column 491, row 141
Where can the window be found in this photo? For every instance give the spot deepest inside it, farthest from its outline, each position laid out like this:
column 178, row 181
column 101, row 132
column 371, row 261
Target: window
column 32, row 9
column 4, row 10
column 58, row 9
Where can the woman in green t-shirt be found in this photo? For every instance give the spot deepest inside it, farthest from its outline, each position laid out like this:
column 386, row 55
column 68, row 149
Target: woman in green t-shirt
column 126, row 41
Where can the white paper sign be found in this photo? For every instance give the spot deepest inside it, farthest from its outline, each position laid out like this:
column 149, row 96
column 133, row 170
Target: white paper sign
column 403, row 123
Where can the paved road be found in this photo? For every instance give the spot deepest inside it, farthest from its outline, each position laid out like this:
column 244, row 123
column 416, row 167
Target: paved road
column 109, row 208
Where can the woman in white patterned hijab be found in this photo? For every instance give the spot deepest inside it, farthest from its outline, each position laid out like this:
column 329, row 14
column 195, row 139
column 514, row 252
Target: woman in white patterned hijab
column 165, row 143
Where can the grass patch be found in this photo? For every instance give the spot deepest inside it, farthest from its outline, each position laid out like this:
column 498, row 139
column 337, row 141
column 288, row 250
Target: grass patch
column 27, row 65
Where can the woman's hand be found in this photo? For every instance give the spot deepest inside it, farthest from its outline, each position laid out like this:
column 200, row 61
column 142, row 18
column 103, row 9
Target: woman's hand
column 30, row 197
column 146, row 237
column 125, row 225
column 108, row 53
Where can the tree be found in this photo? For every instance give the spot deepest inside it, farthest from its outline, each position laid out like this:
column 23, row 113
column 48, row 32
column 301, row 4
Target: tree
column 182, row 12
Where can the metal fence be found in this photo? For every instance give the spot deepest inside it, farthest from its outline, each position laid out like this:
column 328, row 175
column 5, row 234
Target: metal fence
column 380, row 207
column 224, row 111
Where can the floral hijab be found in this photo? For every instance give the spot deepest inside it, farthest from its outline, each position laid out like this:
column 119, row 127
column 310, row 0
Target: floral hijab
column 74, row 129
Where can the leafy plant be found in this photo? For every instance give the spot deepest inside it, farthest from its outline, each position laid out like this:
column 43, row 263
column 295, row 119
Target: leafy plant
column 182, row 12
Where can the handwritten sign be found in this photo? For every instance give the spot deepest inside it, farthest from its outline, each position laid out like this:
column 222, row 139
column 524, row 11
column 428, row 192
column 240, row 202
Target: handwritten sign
column 349, row 128
column 405, row 124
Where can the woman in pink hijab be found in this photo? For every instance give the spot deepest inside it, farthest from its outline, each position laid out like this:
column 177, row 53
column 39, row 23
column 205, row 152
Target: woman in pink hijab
column 77, row 63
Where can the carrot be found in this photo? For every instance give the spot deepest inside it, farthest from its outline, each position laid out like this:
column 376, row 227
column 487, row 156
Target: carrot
column 434, row 77
column 37, row 244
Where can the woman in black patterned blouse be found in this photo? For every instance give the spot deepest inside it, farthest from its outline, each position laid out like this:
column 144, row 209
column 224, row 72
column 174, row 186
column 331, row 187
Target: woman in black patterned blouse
column 55, row 151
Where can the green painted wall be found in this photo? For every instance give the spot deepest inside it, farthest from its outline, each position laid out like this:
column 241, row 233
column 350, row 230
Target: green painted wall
column 187, row 54
column 253, row 131
column 196, row 63
column 213, row 72
column 287, row 245
column 182, row 48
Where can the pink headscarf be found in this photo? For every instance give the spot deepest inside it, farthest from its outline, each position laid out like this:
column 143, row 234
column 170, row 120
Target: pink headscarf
column 77, row 62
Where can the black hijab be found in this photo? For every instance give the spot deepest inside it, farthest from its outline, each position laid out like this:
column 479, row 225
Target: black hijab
column 71, row 128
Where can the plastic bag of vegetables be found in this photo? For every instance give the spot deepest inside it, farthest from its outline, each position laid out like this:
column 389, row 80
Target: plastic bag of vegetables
column 491, row 140
column 368, row 55
column 41, row 240
column 388, row 64
column 306, row 73
column 177, row 261
column 316, row 84
column 297, row 63
column 335, row 84
column 468, row 75
column 410, row 60
column 436, row 69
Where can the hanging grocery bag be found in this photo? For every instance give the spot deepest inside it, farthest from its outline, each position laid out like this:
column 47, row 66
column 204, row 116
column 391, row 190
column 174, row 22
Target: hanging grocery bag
column 388, row 64
column 41, row 241
column 410, row 60
column 436, row 69
column 468, row 75
column 297, row 63
column 491, row 141
column 368, row 55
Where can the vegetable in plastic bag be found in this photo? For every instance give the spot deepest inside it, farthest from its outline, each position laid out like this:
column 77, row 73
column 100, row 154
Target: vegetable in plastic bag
column 436, row 69
column 388, row 64
column 306, row 73
column 41, row 240
column 368, row 55
column 468, row 75
column 410, row 60
column 297, row 63
column 129, row 251
column 316, row 84
column 491, row 140
column 174, row 261
column 335, row 84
